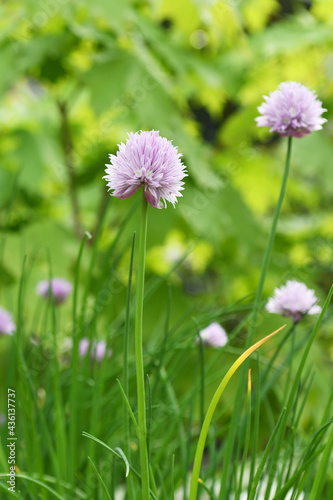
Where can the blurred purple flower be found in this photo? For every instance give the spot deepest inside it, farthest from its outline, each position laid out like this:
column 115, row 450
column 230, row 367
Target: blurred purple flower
column 98, row 349
column 293, row 299
column 60, row 290
column 292, row 110
column 7, row 325
column 213, row 336
column 150, row 161
column 83, row 346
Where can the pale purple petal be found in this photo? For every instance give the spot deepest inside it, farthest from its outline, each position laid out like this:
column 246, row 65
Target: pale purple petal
column 83, row 346
column 7, row 325
column 314, row 310
column 293, row 299
column 150, row 161
column 291, row 110
column 60, row 289
column 98, row 349
column 214, row 335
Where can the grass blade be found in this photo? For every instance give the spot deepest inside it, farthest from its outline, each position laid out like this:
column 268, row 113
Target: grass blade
column 116, row 454
column 264, row 458
column 101, row 479
column 292, row 394
column 130, row 411
column 211, row 409
column 322, row 469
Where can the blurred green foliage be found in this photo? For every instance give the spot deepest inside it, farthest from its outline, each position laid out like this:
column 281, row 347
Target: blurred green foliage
column 77, row 76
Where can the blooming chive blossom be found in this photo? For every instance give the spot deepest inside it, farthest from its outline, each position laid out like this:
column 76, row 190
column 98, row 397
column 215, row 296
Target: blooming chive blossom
column 214, row 336
column 60, row 289
column 292, row 110
column 150, row 161
column 7, row 325
column 293, row 299
column 98, row 349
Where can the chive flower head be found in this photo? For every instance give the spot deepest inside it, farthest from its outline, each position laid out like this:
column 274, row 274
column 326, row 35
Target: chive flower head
column 150, row 161
column 213, row 336
column 58, row 287
column 291, row 110
column 293, row 299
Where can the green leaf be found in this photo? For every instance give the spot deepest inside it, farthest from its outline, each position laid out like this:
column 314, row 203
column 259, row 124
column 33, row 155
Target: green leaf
column 110, row 80
column 290, row 36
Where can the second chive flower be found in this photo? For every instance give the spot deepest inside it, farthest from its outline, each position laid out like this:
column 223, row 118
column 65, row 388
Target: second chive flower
column 213, row 336
column 293, row 299
column 58, row 287
column 150, row 161
column 291, row 110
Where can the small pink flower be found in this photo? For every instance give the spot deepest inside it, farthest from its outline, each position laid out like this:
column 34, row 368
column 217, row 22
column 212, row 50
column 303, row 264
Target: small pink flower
column 150, row 161
column 60, row 289
column 214, row 336
column 293, row 299
column 98, row 349
column 83, row 346
column 7, row 325
column 291, row 110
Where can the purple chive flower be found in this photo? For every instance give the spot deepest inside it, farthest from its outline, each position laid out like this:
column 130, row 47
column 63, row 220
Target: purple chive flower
column 214, row 336
column 293, row 299
column 60, row 289
column 150, row 161
column 98, row 349
column 7, row 325
column 292, row 110
column 83, row 346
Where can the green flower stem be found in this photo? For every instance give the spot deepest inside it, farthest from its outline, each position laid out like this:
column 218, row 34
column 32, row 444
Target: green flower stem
column 127, row 447
column 264, row 378
column 74, row 393
column 253, row 326
column 247, row 436
column 139, row 356
column 269, row 247
column 290, row 367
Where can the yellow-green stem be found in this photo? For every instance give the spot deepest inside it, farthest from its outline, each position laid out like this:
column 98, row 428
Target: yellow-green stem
column 139, row 356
